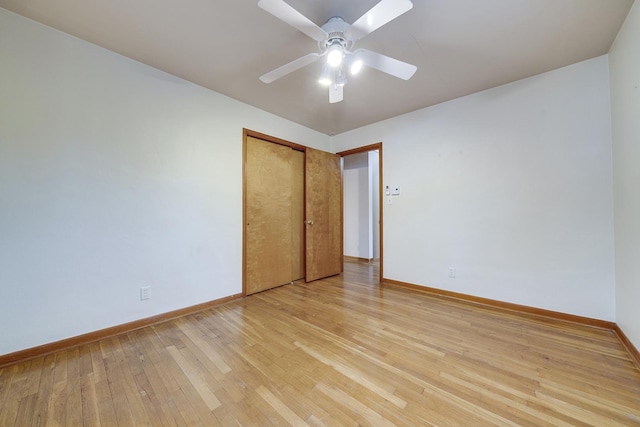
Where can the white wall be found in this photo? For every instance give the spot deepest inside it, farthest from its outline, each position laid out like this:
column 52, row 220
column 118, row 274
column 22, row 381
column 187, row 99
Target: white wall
column 361, row 205
column 356, row 206
column 624, row 60
column 511, row 186
column 113, row 176
column 374, row 170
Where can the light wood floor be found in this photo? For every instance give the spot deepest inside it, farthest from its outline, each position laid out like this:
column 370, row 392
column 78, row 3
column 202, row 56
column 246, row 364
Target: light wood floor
column 341, row 351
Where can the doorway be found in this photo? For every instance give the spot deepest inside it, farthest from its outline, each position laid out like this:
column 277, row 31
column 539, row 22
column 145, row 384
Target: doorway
column 362, row 194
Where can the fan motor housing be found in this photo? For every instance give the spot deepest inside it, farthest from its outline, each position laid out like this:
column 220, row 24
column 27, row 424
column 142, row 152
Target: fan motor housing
column 336, row 28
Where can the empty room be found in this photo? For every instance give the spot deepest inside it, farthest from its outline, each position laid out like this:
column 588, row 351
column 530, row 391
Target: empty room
column 305, row 212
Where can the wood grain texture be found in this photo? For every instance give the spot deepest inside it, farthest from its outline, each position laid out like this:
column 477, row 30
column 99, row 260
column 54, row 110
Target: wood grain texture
column 338, row 351
column 323, row 206
column 363, row 149
column 45, row 349
column 506, row 305
column 269, row 238
column 633, row 351
column 297, row 215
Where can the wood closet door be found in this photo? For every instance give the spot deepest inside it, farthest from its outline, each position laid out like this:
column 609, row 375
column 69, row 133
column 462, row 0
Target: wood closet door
column 297, row 215
column 273, row 229
column 323, row 206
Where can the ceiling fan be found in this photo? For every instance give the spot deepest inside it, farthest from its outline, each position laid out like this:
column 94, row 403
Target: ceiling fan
column 335, row 40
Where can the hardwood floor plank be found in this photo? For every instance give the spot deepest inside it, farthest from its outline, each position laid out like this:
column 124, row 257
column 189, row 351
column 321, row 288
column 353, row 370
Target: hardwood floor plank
column 341, row 398
column 9, row 412
column 118, row 394
column 207, row 396
column 175, row 401
column 97, row 365
column 46, row 386
column 90, row 409
column 105, row 408
column 26, row 410
column 57, row 411
column 157, row 398
column 283, row 410
column 341, row 351
column 74, row 402
column 204, row 345
column 513, row 400
column 353, row 374
column 6, row 378
column 578, row 413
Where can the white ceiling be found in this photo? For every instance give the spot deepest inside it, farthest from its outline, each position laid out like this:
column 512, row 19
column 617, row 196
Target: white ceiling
column 459, row 46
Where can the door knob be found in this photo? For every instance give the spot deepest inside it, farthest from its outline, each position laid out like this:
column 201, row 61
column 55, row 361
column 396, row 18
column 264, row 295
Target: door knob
column 309, row 222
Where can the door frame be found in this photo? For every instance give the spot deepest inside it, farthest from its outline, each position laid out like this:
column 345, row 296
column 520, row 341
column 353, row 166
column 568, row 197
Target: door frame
column 365, row 149
column 245, row 134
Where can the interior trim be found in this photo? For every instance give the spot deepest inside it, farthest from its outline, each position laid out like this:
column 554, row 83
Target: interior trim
column 273, row 139
column 357, row 259
column 363, row 149
column 631, row 349
column 373, row 147
column 45, row 349
column 524, row 309
column 604, row 324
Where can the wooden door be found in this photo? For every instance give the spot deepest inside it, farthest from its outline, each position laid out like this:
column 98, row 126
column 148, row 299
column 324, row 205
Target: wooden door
column 323, row 206
column 273, row 215
column 297, row 215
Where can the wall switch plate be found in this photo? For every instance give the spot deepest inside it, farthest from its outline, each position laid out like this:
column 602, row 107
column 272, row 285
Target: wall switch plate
column 144, row 293
column 452, row 272
column 395, row 190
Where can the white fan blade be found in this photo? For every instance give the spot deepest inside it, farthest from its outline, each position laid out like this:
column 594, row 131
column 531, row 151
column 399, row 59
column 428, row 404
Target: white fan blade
column 335, row 93
column 289, row 68
column 286, row 13
column 377, row 16
column 386, row 64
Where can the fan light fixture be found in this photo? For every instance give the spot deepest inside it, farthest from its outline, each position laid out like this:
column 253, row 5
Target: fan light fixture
column 325, row 76
column 334, row 57
column 335, row 41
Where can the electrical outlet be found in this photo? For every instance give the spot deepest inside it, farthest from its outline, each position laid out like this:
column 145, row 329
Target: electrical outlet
column 452, row 272
column 144, row 293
